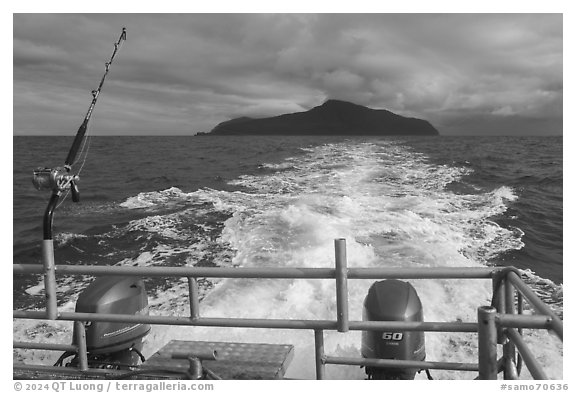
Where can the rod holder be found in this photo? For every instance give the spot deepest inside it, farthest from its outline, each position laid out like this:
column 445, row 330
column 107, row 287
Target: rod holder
column 341, row 285
column 49, row 279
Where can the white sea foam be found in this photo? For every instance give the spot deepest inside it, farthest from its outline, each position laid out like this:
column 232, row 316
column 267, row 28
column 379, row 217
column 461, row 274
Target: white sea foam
column 164, row 225
column 153, row 198
column 65, row 238
column 36, row 290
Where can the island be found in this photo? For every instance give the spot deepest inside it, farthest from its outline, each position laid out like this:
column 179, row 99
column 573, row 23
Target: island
column 334, row 117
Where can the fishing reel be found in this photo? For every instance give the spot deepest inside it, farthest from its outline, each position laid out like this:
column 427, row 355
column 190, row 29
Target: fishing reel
column 56, row 180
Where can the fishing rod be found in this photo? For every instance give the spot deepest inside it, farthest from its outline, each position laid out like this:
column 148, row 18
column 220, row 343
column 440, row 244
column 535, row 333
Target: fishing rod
column 60, row 179
column 95, row 94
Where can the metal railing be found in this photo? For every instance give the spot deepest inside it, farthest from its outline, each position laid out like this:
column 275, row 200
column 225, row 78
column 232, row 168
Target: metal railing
column 497, row 324
column 503, row 322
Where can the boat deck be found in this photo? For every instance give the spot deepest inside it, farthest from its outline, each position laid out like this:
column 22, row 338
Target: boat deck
column 235, row 361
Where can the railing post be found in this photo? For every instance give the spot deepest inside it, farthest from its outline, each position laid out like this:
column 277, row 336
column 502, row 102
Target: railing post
column 49, row 279
column 341, row 285
column 319, row 351
column 498, row 282
column 81, row 344
column 509, row 352
column 193, row 298
column 487, row 343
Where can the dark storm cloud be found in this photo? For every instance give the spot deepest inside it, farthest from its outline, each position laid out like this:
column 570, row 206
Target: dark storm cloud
column 480, row 73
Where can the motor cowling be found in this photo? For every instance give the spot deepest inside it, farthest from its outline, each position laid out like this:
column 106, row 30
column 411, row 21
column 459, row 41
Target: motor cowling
column 392, row 300
column 114, row 342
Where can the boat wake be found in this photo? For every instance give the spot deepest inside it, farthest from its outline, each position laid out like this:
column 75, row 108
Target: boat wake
column 393, row 207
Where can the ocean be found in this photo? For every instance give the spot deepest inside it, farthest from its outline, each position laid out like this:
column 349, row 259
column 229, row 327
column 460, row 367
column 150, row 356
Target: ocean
column 281, row 201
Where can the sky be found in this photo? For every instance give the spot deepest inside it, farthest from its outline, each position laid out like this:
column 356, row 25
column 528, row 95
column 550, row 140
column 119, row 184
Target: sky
column 178, row 74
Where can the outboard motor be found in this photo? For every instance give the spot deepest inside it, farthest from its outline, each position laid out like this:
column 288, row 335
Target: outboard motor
column 392, row 300
column 115, row 345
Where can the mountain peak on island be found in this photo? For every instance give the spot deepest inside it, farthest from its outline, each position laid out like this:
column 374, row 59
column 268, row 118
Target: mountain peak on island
column 333, row 117
column 332, row 103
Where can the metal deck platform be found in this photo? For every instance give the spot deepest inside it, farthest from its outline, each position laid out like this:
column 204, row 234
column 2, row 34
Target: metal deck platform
column 235, row 360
